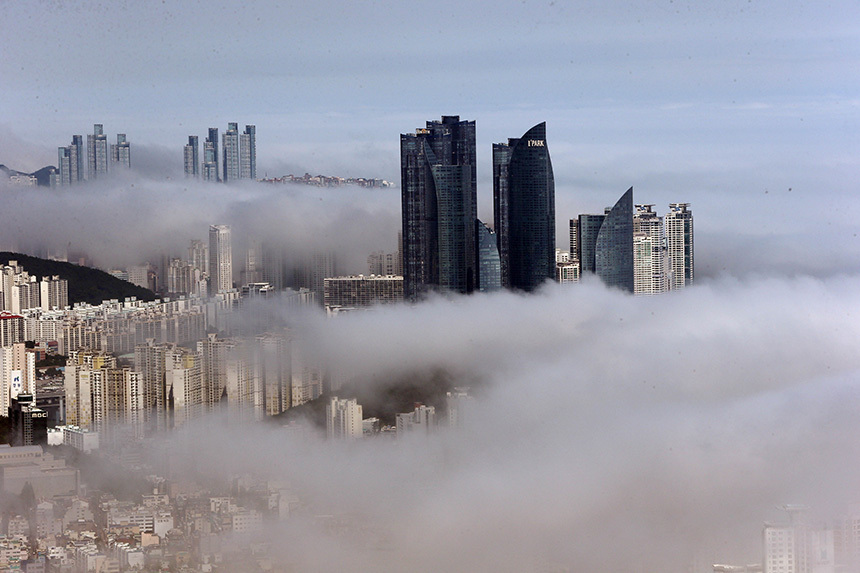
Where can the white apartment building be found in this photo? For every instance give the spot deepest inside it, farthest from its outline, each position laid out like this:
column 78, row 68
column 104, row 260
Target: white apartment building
column 343, row 419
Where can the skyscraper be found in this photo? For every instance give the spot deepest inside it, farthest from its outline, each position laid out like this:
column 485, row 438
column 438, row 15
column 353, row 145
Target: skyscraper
column 64, row 165
column 210, row 161
column 77, row 158
column 613, row 255
column 121, row 151
column 679, row 239
column 343, row 419
column 220, row 259
column 97, row 152
column 489, row 266
column 231, row 153
column 524, row 209
column 248, row 152
column 585, row 242
column 650, row 263
column 439, row 207
column 213, row 139
column 192, row 158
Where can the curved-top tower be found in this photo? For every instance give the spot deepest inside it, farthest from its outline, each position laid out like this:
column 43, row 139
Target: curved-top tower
column 613, row 253
column 524, row 209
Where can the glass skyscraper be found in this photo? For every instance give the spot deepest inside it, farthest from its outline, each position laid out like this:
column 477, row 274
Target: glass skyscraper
column 587, row 228
column 439, row 207
column 489, row 265
column 524, row 209
column 613, row 254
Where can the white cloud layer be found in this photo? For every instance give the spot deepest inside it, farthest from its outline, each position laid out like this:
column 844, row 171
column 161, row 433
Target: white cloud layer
column 611, row 433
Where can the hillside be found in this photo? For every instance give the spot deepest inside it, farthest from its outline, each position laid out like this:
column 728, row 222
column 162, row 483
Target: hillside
column 386, row 397
column 43, row 175
column 85, row 284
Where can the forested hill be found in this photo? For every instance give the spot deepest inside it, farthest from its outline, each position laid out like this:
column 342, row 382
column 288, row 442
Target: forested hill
column 85, row 284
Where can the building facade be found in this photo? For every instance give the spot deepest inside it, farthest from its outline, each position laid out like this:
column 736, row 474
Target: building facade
column 248, row 152
column 343, row 419
column 679, row 240
column 97, row 152
column 362, row 291
column 524, row 209
column 439, row 207
column 650, row 261
column 613, row 255
column 231, row 153
column 191, row 157
column 220, row 259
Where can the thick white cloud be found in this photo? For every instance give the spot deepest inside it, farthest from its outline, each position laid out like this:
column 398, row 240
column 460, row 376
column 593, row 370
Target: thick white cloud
column 611, row 433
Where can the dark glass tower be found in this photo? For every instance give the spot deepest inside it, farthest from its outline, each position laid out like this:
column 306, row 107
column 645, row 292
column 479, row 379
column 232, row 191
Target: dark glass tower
column 489, row 268
column 439, row 206
column 587, row 228
column 613, row 255
column 524, row 209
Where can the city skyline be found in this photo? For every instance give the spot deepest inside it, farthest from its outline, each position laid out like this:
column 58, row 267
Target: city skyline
column 731, row 122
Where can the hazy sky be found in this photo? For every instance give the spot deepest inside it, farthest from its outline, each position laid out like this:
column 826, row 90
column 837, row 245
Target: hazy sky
column 748, row 110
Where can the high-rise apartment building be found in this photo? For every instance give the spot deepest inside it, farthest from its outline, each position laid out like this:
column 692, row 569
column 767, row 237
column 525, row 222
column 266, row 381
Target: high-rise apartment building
column 64, row 166
column 183, row 385
column 566, row 267
column 248, row 152
column 524, row 209
column 191, row 157
column 211, row 171
column 103, row 397
column 343, row 419
column 220, row 259
column 439, row 207
column 272, row 362
column 613, row 254
column 121, row 151
column 230, row 140
column 382, row 263
column 650, row 262
column 210, row 161
column 422, row 419
column 97, row 152
column 315, row 269
column 77, row 159
column 786, row 546
column 213, row 353
column 17, row 372
column 679, row 240
column 362, row 291
column 150, row 361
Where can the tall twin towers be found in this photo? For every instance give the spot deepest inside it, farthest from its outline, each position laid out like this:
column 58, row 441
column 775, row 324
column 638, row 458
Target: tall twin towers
column 445, row 246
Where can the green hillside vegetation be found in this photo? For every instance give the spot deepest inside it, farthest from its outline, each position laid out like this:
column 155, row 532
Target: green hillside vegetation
column 85, row 284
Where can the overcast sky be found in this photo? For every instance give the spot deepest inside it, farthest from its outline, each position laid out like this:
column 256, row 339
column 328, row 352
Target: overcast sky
column 748, row 110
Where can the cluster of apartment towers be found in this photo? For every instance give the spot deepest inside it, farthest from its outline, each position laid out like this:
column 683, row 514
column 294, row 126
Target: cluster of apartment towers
column 238, row 160
column 446, row 247
column 99, row 156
